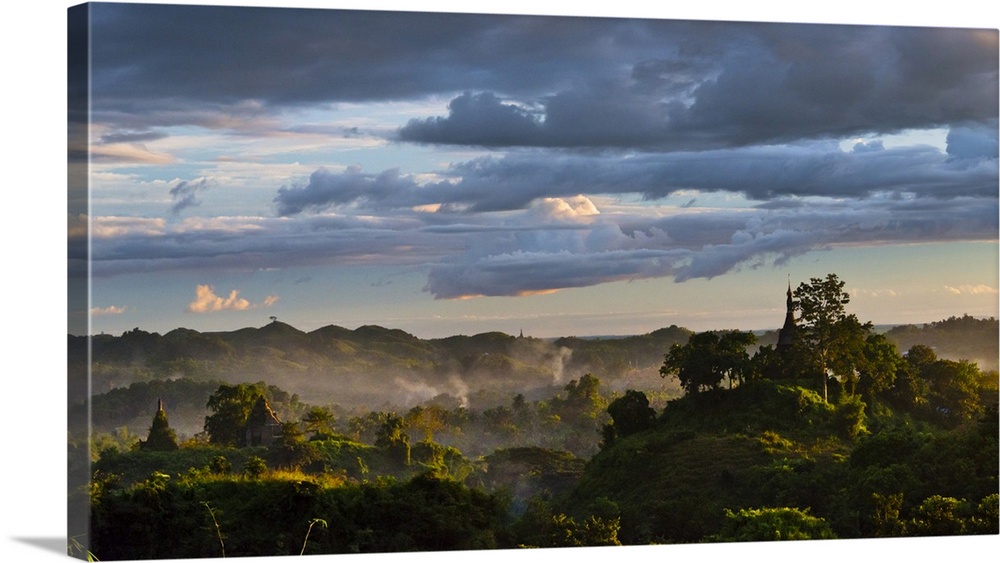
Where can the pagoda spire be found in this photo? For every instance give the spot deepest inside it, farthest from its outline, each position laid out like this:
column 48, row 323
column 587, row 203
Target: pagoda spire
column 786, row 336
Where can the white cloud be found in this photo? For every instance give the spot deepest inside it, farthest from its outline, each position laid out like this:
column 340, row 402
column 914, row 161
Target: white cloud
column 237, row 224
column 565, row 208
column 109, row 227
column 135, row 153
column 980, row 289
column 109, row 310
column 207, row 301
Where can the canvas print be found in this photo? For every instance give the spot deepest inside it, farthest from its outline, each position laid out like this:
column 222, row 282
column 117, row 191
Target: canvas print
column 348, row 281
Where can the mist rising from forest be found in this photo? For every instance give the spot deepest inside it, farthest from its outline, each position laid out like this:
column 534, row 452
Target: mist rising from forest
column 385, row 370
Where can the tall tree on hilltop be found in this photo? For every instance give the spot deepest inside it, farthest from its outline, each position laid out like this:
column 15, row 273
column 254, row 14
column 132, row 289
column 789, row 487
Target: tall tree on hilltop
column 834, row 339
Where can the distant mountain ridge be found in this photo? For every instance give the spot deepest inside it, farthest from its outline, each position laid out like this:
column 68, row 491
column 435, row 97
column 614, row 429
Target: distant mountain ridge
column 375, row 365
column 371, row 364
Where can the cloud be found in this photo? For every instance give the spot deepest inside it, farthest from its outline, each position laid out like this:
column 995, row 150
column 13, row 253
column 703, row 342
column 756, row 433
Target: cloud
column 206, row 301
column 564, row 209
column 755, row 84
column 541, row 81
column 327, row 188
column 686, row 246
column 980, row 289
column 974, row 141
column 130, row 137
column 109, row 310
column 117, row 227
column 518, row 179
column 475, row 119
column 184, row 194
column 135, row 153
column 281, row 56
column 553, row 243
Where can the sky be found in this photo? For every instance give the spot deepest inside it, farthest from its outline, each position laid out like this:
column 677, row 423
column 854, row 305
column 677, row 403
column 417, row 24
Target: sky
column 458, row 173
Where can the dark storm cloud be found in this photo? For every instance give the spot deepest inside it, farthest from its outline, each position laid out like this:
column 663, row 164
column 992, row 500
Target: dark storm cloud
column 476, row 119
column 204, row 54
column 767, row 84
column 761, row 173
column 544, row 81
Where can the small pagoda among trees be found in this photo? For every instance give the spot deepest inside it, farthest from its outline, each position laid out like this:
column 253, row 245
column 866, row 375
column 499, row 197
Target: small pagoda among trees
column 161, row 437
column 787, row 334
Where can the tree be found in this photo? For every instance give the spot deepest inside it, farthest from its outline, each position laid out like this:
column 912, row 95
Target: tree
column 220, row 465
column 290, row 450
column 955, row 389
column 832, row 338
column 938, row 516
column 951, row 391
column 583, row 403
column 879, row 366
column 630, row 414
column 428, row 420
column 539, row 526
column 766, row 524
column 392, row 438
column 708, row 358
column 161, row 437
column 231, row 405
column 254, row 467
column 319, row 420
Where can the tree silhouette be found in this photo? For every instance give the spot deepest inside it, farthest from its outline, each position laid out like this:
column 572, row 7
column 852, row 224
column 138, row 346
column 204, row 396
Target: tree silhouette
column 231, row 406
column 708, row 358
column 630, row 414
column 832, row 338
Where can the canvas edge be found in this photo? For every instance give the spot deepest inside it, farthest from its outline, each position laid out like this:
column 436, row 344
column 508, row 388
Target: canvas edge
column 78, row 281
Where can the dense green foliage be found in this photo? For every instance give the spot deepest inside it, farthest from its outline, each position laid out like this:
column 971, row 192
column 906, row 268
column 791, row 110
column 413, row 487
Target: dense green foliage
column 889, row 444
column 708, row 359
column 765, row 524
column 771, row 446
column 271, row 513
